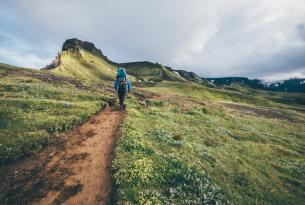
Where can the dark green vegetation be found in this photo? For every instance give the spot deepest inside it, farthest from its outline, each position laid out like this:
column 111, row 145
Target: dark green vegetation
column 35, row 105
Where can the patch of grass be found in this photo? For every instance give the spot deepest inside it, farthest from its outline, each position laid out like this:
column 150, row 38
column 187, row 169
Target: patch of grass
column 34, row 108
column 245, row 95
column 248, row 159
column 152, row 102
column 153, row 172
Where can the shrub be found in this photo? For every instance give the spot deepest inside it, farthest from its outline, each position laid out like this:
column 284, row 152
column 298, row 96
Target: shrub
column 204, row 110
column 155, row 79
column 152, row 102
column 187, row 185
column 132, row 145
column 165, row 137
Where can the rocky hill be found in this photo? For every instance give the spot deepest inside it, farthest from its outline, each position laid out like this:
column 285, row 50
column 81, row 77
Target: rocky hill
column 82, row 59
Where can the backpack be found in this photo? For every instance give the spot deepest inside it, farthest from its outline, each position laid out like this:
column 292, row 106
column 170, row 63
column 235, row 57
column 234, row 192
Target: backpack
column 121, row 78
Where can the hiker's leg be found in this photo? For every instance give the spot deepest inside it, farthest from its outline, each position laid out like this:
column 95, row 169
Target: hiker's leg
column 120, row 97
column 122, row 93
column 123, row 97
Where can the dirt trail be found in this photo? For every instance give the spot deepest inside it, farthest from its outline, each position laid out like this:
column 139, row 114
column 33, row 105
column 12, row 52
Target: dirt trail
column 87, row 179
column 76, row 171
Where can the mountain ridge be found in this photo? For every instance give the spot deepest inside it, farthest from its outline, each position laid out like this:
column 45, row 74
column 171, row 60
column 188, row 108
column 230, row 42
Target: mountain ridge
column 140, row 70
column 289, row 85
column 89, row 62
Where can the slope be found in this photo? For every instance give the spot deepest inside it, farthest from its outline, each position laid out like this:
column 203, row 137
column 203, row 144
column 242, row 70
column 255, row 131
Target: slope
column 84, row 65
column 147, row 71
column 187, row 144
column 34, row 105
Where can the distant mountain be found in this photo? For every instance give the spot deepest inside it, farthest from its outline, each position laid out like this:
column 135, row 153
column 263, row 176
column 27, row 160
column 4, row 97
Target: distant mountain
column 290, row 85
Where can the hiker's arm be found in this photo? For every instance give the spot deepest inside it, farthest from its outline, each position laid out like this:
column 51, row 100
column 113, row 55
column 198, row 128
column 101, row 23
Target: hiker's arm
column 115, row 85
column 129, row 85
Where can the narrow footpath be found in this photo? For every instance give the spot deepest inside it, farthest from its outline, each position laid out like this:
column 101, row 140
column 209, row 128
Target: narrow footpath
column 79, row 173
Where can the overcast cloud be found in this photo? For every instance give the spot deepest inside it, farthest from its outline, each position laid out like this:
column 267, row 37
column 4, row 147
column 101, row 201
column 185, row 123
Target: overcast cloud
column 214, row 38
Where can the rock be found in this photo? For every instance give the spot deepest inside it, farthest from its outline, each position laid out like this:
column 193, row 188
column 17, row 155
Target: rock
column 68, row 104
column 54, row 63
column 75, row 43
column 143, row 103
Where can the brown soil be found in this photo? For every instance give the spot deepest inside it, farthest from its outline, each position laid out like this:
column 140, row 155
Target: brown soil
column 77, row 172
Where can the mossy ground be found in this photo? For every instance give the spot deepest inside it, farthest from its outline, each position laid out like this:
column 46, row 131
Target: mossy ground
column 188, row 147
column 34, row 106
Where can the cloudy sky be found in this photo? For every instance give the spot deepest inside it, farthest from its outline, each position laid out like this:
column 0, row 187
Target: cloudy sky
column 214, row 38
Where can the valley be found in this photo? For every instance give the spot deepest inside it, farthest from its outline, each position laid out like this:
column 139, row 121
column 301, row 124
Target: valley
column 181, row 140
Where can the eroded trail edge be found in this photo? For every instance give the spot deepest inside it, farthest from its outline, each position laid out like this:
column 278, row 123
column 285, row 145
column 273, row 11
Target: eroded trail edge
column 77, row 173
column 87, row 176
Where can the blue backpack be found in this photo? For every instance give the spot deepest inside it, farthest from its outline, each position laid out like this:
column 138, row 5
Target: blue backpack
column 121, row 78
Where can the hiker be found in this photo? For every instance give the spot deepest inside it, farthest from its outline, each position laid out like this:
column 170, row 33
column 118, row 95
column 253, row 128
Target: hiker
column 120, row 84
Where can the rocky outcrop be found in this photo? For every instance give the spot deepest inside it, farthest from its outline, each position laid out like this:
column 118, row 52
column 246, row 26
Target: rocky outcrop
column 54, row 63
column 75, row 43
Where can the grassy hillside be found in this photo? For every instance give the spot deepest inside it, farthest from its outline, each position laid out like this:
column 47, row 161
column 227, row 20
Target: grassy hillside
column 35, row 105
column 193, row 77
column 147, row 71
column 196, row 145
column 238, row 93
column 84, row 65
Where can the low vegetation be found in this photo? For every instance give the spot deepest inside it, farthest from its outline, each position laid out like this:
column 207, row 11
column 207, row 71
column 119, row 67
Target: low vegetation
column 34, row 106
column 188, row 146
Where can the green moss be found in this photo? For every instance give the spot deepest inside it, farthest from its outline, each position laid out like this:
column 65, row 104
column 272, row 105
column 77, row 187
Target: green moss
column 245, row 158
column 152, row 102
column 35, row 105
